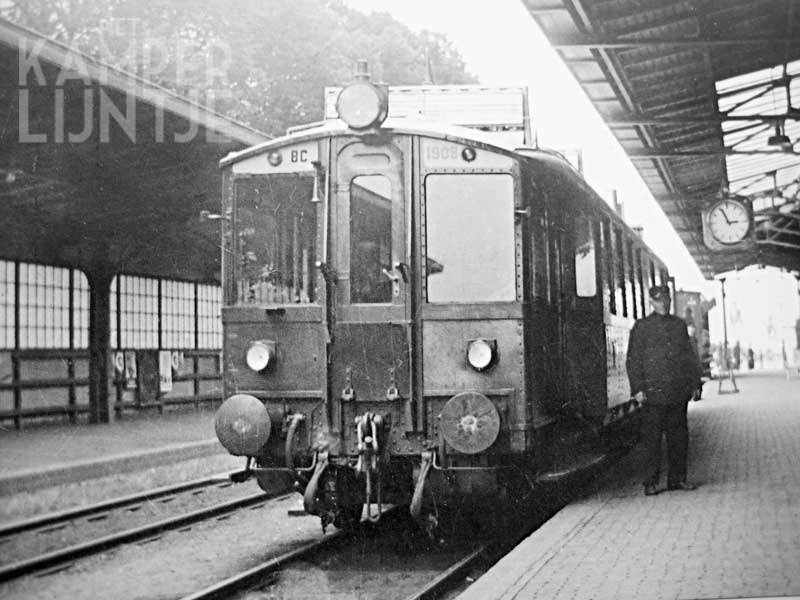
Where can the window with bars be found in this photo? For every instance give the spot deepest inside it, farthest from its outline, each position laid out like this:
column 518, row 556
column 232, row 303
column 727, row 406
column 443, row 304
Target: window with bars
column 177, row 314
column 7, row 317
column 43, row 306
column 46, row 295
column 209, row 324
column 152, row 310
column 137, row 308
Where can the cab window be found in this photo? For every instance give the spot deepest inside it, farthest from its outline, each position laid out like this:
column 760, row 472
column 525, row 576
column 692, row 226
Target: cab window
column 469, row 236
column 275, row 223
column 370, row 239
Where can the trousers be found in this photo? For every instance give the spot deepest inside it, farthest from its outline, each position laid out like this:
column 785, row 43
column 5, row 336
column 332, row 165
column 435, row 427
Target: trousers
column 669, row 419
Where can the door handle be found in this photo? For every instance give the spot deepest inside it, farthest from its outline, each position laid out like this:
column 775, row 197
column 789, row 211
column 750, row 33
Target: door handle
column 403, row 268
column 390, row 275
column 395, row 278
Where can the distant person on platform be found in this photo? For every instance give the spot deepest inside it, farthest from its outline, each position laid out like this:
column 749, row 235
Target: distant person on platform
column 664, row 374
column 751, row 359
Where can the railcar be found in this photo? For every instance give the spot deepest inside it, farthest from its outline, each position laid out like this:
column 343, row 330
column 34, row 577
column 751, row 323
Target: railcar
column 415, row 315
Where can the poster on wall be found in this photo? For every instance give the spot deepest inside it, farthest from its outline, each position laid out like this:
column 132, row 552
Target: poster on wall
column 165, row 370
column 130, row 369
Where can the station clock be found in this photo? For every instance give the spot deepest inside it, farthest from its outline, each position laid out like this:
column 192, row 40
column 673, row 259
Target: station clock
column 728, row 224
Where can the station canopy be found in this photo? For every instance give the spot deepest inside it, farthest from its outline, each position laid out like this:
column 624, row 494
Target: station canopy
column 701, row 95
column 102, row 170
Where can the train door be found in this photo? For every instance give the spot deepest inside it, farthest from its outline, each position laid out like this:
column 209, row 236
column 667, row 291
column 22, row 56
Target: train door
column 556, row 322
column 584, row 330
column 544, row 336
column 370, row 357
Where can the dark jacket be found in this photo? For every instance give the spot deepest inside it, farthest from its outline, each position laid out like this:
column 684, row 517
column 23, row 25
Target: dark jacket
column 661, row 361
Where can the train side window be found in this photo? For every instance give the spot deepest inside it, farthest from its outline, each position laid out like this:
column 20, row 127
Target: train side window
column 608, row 267
column 652, row 273
column 370, row 239
column 585, row 259
column 470, row 238
column 619, row 256
column 539, row 248
column 640, row 281
column 554, row 231
column 632, row 282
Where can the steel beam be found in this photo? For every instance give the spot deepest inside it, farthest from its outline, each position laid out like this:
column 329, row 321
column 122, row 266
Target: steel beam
column 634, row 119
column 779, row 244
column 782, row 230
column 651, row 153
column 599, row 41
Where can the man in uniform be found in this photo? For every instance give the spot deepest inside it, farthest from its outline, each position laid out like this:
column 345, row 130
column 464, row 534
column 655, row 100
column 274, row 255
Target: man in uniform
column 664, row 375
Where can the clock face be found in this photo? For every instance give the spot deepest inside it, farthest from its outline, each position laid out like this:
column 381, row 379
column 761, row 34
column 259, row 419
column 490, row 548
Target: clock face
column 729, row 221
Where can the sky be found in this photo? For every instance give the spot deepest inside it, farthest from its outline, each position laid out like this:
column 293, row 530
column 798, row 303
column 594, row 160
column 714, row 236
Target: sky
column 502, row 45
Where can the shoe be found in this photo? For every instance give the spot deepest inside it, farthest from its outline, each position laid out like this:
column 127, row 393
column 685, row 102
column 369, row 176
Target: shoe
column 650, row 489
column 683, row 486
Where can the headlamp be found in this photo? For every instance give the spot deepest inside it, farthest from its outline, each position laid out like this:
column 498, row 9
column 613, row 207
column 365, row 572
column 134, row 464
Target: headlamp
column 362, row 105
column 481, row 353
column 260, row 355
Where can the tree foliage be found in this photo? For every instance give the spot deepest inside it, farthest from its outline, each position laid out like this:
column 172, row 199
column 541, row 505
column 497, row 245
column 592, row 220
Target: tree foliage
column 262, row 62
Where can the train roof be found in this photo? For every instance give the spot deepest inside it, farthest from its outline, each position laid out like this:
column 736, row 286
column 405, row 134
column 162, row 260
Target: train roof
column 408, row 126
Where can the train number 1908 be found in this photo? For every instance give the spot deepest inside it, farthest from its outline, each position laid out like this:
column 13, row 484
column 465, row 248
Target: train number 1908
column 438, row 152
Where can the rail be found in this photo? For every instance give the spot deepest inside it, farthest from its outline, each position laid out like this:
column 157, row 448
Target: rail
column 76, row 551
column 106, row 505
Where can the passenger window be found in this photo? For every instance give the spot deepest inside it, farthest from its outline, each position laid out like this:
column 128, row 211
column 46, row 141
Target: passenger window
column 632, row 282
column 622, row 301
column 370, row 239
column 652, row 273
column 275, row 231
column 608, row 273
column 585, row 262
column 470, row 249
column 640, row 279
column 539, row 232
column 554, row 257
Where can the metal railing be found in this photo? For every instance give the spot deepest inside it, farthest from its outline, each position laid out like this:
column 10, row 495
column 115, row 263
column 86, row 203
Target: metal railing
column 61, row 378
column 139, row 397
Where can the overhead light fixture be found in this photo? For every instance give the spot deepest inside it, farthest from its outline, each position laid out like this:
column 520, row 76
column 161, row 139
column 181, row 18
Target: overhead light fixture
column 780, row 139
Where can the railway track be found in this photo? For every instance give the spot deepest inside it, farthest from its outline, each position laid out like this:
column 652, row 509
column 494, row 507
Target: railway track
column 88, row 510
column 65, row 555
column 319, row 554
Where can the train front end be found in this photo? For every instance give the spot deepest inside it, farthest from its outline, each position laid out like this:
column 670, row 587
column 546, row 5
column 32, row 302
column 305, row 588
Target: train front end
column 373, row 319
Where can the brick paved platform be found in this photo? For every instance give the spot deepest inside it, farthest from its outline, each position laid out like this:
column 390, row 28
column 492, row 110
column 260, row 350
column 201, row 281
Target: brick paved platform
column 736, row 536
column 36, row 457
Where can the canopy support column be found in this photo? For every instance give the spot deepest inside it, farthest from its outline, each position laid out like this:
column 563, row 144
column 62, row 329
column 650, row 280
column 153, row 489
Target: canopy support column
column 99, row 344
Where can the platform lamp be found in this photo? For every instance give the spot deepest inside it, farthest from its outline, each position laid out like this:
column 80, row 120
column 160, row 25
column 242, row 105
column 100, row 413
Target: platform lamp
column 726, row 371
